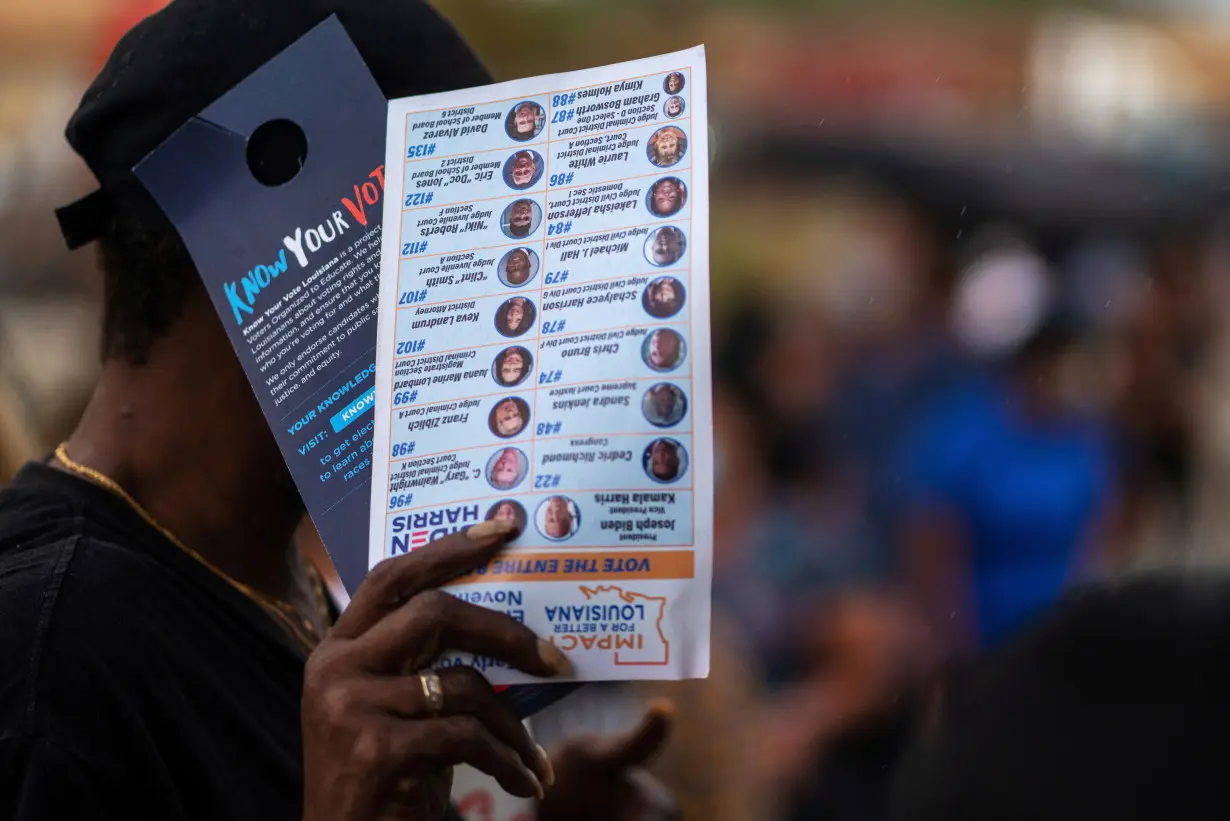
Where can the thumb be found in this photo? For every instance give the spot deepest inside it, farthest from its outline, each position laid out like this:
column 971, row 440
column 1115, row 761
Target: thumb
column 635, row 747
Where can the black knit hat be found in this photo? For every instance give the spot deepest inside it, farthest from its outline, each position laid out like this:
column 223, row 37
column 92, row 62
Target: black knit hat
column 176, row 62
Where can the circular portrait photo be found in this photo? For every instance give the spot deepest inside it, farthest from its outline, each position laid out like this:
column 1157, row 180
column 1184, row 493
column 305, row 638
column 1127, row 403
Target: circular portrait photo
column 663, row 297
column 664, row 405
column 525, row 121
column 520, row 219
column 665, row 246
column 665, row 461
column 674, row 83
column 523, row 169
column 515, row 317
column 517, row 267
column 667, row 146
column 673, row 107
column 664, row 350
column 666, row 197
column 558, row 518
column 512, row 366
column 509, row 417
column 510, row 511
column 507, row 468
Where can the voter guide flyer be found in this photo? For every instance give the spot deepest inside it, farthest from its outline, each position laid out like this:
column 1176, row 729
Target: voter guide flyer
column 543, row 355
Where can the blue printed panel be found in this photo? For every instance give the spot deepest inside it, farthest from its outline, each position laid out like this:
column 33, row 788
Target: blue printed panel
column 637, row 102
column 656, row 518
column 504, row 269
column 654, row 150
column 622, row 462
column 616, row 303
column 488, row 370
column 662, row 246
column 443, row 229
column 469, row 129
column 292, row 270
column 632, row 405
column 639, row 350
column 448, row 326
column 353, row 411
column 588, row 209
column 475, row 177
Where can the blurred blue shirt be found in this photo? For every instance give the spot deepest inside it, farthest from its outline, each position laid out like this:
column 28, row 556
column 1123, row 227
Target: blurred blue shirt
column 1027, row 492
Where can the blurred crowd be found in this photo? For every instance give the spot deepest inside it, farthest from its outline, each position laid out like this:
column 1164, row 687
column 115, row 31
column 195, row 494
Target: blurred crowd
column 918, row 452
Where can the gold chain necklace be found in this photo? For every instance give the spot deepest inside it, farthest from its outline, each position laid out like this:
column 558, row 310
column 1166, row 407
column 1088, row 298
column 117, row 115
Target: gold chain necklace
column 285, row 614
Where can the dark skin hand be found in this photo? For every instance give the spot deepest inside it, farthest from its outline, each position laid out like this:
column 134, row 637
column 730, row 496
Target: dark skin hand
column 371, row 748
column 602, row 778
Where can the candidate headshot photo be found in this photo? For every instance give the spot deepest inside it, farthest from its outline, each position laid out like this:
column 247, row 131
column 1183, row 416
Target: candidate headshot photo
column 666, row 197
column 508, row 417
column 667, row 146
column 512, row 366
column 520, row 219
column 515, row 317
column 558, row 518
column 663, row 297
column 525, row 121
column 507, row 468
column 509, row 510
column 665, row 246
column 517, row 267
column 523, row 169
column 673, row 107
column 674, row 83
column 664, row 350
column 665, row 461
column 664, row 405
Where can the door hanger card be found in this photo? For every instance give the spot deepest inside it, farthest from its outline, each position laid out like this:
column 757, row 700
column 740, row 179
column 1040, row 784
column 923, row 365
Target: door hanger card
column 293, row 269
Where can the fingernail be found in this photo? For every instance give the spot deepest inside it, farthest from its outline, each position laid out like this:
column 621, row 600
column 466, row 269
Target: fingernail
column 663, row 707
column 491, row 528
column 554, row 658
column 545, row 770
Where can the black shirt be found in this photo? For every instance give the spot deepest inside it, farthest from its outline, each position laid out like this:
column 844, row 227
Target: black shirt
column 134, row 682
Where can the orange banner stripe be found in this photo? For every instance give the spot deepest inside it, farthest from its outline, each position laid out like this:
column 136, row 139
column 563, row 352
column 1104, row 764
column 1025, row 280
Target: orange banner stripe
column 586, row 567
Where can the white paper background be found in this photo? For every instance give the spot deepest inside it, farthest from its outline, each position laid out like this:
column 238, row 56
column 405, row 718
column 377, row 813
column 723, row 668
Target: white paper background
column 677, row 646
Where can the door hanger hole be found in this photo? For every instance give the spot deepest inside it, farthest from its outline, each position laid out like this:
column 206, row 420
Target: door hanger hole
column 277, row 151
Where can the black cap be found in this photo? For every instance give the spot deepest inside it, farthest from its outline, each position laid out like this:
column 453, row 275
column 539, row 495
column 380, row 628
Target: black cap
column 176, row 62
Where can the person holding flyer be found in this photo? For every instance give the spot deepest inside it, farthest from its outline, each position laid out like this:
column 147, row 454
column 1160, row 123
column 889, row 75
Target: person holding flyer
column 168, row 653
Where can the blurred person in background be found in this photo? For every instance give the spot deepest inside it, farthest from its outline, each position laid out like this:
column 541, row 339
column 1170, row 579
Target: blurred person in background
column 1006, row 482
column 1211, row 392
column 891, row 306
column 810, row 587
column 831, row 741
column 1165, row 342
column 809, row 535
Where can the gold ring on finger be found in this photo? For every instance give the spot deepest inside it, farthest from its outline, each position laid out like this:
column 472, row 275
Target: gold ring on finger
column 433, row 693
